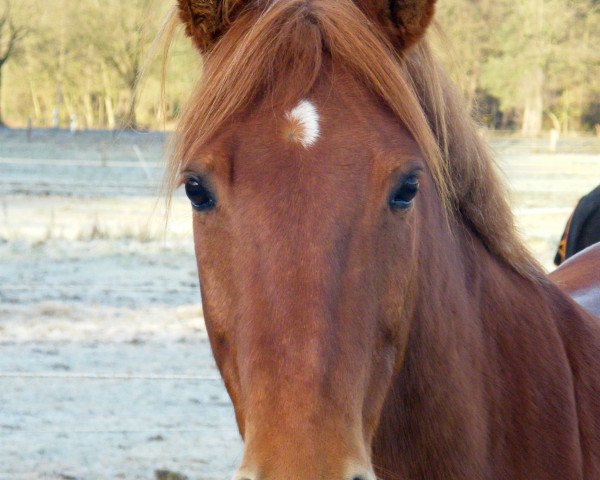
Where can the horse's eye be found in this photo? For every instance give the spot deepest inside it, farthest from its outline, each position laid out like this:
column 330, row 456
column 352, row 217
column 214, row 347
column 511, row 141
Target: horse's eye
column 201, row 197
column 402, row 198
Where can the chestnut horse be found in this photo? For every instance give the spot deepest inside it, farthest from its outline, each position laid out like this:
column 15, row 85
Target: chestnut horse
column 583, row 228
column 369, row 304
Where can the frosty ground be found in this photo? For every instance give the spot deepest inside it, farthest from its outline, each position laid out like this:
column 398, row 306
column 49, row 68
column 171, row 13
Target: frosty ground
column 105, row 368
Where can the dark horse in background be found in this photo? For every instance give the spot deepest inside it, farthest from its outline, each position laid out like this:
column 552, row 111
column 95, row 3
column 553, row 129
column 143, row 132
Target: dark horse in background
column 579, row 277
column 583, row 228
column 370, row 306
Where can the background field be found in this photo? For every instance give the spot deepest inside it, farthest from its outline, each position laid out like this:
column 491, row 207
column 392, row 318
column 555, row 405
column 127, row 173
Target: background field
column 529, row 65
column 105, row 369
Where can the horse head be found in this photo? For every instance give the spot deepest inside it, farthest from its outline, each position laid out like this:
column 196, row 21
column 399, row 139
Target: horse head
column 316, row 166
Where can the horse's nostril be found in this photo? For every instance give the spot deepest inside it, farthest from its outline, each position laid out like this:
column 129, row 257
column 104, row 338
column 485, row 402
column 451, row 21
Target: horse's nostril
column 363, row 476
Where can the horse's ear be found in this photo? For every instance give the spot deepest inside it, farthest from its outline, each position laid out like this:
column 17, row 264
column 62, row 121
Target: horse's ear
column 206, row 20
column 406, row 21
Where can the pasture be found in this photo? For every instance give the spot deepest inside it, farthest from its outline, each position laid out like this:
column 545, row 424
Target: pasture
column 105, row 368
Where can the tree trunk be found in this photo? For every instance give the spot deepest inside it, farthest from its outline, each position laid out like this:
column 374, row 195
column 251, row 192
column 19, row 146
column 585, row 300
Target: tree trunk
column 131, row 118
column 37, row 110
column 473, row 85
column 110, row 112
column 89, row 111
column 2, row 124
column 108, row 104
column 534, row 104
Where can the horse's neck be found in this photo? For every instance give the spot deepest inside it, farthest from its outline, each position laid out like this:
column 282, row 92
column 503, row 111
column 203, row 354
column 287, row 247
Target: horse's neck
column 491, row 373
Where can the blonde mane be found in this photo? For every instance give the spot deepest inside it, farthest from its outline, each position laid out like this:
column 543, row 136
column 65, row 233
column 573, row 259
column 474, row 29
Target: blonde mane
column 279, row 50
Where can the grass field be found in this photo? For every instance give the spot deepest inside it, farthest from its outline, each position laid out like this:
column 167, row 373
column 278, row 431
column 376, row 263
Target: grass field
column 105, row 369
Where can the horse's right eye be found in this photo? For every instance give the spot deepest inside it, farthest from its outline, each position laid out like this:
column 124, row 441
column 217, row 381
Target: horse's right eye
column 201, row 197
column 402, row 198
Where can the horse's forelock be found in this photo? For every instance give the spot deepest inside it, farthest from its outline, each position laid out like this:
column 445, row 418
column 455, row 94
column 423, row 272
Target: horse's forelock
column 280, row 50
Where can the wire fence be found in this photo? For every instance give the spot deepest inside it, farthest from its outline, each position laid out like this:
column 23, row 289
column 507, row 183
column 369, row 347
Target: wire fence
column 71, row 407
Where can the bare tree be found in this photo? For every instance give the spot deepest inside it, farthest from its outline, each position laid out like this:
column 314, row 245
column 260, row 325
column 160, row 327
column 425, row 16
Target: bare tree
column 127, row 61
column 124, row 47
column 11, row 36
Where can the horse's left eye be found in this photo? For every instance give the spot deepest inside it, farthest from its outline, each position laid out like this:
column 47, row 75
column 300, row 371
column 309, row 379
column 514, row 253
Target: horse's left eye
column 403, row 196
column 201, row 197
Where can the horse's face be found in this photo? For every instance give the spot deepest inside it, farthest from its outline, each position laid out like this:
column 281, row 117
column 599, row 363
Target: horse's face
column 312, row 217
column 308, row 224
